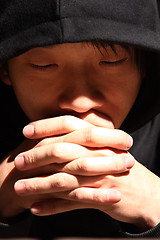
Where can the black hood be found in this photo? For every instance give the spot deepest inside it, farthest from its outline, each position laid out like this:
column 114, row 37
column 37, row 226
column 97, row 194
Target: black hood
column 25, row 24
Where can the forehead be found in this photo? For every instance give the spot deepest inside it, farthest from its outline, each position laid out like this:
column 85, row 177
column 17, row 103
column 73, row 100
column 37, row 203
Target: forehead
column 82, row 49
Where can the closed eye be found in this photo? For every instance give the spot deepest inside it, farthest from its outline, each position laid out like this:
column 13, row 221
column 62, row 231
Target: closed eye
column 44, row 67
column 113, row 63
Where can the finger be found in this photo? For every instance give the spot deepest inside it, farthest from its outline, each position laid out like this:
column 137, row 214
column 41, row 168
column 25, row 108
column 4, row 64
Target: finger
column 54, row 206
column 95, row 196
column 53, row 126
column 98, row 119
column 84, row 161
column 97, row 137
column 58, row 182
column 52, row 153
column 98, row 166
column 84, row 198
column 48, row 184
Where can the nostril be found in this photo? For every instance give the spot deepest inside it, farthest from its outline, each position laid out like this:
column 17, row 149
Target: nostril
column 80, row 104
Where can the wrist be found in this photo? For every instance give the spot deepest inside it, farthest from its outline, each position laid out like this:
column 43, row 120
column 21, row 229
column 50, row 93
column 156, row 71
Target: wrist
column 147, row 223
column 151, row 214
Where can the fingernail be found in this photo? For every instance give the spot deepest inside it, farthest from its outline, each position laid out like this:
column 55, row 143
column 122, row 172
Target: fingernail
column 20, row 187
column 129, row 142
column 129, row 163
column 19, row 162
column 36, row 209
column 28, row 130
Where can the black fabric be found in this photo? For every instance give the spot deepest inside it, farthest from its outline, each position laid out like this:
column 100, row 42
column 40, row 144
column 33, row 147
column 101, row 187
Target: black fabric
column 155, row 232
column 78, row 223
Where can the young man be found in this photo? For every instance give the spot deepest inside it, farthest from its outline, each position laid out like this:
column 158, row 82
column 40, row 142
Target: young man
column 82, row 80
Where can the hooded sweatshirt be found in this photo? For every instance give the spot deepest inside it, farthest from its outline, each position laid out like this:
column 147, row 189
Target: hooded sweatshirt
column 25, row 24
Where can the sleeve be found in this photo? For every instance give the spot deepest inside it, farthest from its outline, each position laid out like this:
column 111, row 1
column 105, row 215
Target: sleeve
column 18, row 227
column 129, row 231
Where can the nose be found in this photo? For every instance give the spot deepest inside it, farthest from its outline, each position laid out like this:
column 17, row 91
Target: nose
column 80, row 99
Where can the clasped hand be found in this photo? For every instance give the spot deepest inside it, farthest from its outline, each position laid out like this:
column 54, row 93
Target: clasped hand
column 87, row 167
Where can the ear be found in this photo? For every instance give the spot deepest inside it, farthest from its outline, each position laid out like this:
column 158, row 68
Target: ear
column 4, row 76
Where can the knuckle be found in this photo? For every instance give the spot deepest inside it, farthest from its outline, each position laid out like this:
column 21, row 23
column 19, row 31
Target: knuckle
column 77, row 195
column 97, row 197
column 119, row 163
column 30, row 159
column 89, row 135
column 101, row 197
column 34, row 187
column 117, row 166
column 41, row 128
column 82, row 166
column 58, row 150
column 59, row 183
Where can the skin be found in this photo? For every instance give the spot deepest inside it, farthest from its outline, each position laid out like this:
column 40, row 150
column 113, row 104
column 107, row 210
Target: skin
column 83, row 97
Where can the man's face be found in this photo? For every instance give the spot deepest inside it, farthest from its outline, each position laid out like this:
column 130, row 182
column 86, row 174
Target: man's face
column 75, row 79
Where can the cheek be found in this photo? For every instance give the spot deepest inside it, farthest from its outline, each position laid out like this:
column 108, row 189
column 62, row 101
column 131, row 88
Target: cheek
column 124, row 85
column 120, row 91
column 128, row 94
column 127, row 90
column 34, row 96
column 133, row 83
